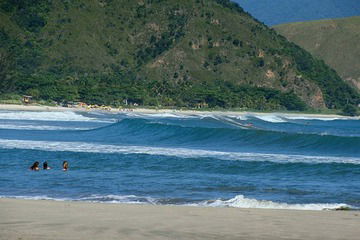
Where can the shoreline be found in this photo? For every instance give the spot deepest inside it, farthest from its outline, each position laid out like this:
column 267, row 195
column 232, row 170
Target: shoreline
column 42, row 108
column 316, row 207
column 44, row 219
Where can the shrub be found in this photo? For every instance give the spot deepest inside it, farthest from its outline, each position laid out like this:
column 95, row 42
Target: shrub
column 350, row 110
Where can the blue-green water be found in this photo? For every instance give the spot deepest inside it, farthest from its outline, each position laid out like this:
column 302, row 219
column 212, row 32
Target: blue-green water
column 264, row 161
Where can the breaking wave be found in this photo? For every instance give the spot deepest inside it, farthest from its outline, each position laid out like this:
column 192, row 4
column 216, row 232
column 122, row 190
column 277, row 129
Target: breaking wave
column 46, row 116
column 175, row 152
column 237, row 202
column 242, row 202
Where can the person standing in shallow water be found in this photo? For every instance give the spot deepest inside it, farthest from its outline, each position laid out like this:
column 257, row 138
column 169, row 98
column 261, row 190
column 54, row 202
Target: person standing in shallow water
column 65, row 166
column 45, row 166
column 35, row 166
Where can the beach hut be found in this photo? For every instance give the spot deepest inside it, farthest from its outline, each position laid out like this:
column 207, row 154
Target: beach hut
column 202, row 105
column 27, row 99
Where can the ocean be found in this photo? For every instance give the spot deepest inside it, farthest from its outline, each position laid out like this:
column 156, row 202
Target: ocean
column 272, row 161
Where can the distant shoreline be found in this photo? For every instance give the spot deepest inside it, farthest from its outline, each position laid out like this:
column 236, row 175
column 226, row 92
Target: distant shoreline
column 43, row 108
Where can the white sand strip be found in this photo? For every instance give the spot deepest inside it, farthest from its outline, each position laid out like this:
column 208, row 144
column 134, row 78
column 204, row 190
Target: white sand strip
column 14, row 107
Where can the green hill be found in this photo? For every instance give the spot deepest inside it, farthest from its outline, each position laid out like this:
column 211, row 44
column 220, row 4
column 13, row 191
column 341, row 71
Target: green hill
column 275, row 12
column 158, row 53
column 336, row 41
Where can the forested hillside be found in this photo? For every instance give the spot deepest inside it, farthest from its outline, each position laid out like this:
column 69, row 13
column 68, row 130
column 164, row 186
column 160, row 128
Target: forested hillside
column 158, row 53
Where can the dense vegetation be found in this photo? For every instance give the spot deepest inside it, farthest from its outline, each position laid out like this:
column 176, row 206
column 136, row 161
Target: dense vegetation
column 335, row 41
column 288, row 11
column 196, row 53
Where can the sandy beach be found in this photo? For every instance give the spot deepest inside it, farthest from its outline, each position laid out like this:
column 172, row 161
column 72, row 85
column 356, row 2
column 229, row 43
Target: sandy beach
column 14, row 107
column 41, row 219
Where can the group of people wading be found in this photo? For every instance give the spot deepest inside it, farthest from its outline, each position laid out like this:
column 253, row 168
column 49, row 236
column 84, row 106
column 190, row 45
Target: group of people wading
column 35, row 166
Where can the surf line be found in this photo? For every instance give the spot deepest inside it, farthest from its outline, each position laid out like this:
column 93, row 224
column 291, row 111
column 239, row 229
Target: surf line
column 175, row 152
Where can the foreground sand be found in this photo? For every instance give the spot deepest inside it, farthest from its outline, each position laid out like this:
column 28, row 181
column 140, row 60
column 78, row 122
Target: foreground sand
column 27, row 219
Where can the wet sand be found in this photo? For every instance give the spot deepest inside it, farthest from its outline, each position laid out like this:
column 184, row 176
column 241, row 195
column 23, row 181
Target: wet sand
column 41, row 219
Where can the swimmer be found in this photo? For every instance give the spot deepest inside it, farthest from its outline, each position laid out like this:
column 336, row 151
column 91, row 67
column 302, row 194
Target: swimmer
column 35, row 166
column 45, row 166
column 65, row 166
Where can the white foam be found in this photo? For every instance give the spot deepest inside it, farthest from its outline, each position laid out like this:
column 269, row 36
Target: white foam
column 314, row 118
column 270, row 118
column 230, row 120
column 45, row 116
column 242, row 202
column 38, row 127
column 111, row 198
column 164, row 151
column 128, row 199
column 159, row 115
column 240, row 117
column 237, row 202
column 40, row 197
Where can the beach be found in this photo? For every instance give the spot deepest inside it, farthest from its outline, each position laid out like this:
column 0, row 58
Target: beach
column 30, row 220
column 16, row 107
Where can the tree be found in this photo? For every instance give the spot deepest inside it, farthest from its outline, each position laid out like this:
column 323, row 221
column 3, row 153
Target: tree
column 350, row 110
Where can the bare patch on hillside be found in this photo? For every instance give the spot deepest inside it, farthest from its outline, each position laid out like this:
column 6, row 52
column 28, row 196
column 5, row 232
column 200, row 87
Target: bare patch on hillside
column 270, row 74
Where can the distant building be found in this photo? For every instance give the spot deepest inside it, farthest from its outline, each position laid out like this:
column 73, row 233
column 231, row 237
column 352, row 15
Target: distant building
column 202, row 105
column 82, row 104
column 27, row 99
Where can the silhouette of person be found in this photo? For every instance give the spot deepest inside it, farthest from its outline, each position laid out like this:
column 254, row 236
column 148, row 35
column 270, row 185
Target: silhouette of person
column 35, row 166
column 45, row 166
column 65, row 166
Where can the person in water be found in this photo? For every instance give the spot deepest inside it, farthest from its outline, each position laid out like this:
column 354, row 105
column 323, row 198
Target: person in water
column 45, row 166
column 35, row 166
column 65, row 165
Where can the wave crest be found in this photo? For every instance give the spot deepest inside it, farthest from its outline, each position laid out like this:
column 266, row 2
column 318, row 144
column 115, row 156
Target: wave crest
column 67, row 116
column 168, row 151
column 242, row 202
column 238, row 201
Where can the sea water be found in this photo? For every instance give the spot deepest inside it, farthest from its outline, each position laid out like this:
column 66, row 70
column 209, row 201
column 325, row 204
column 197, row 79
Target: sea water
column 218, row 160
